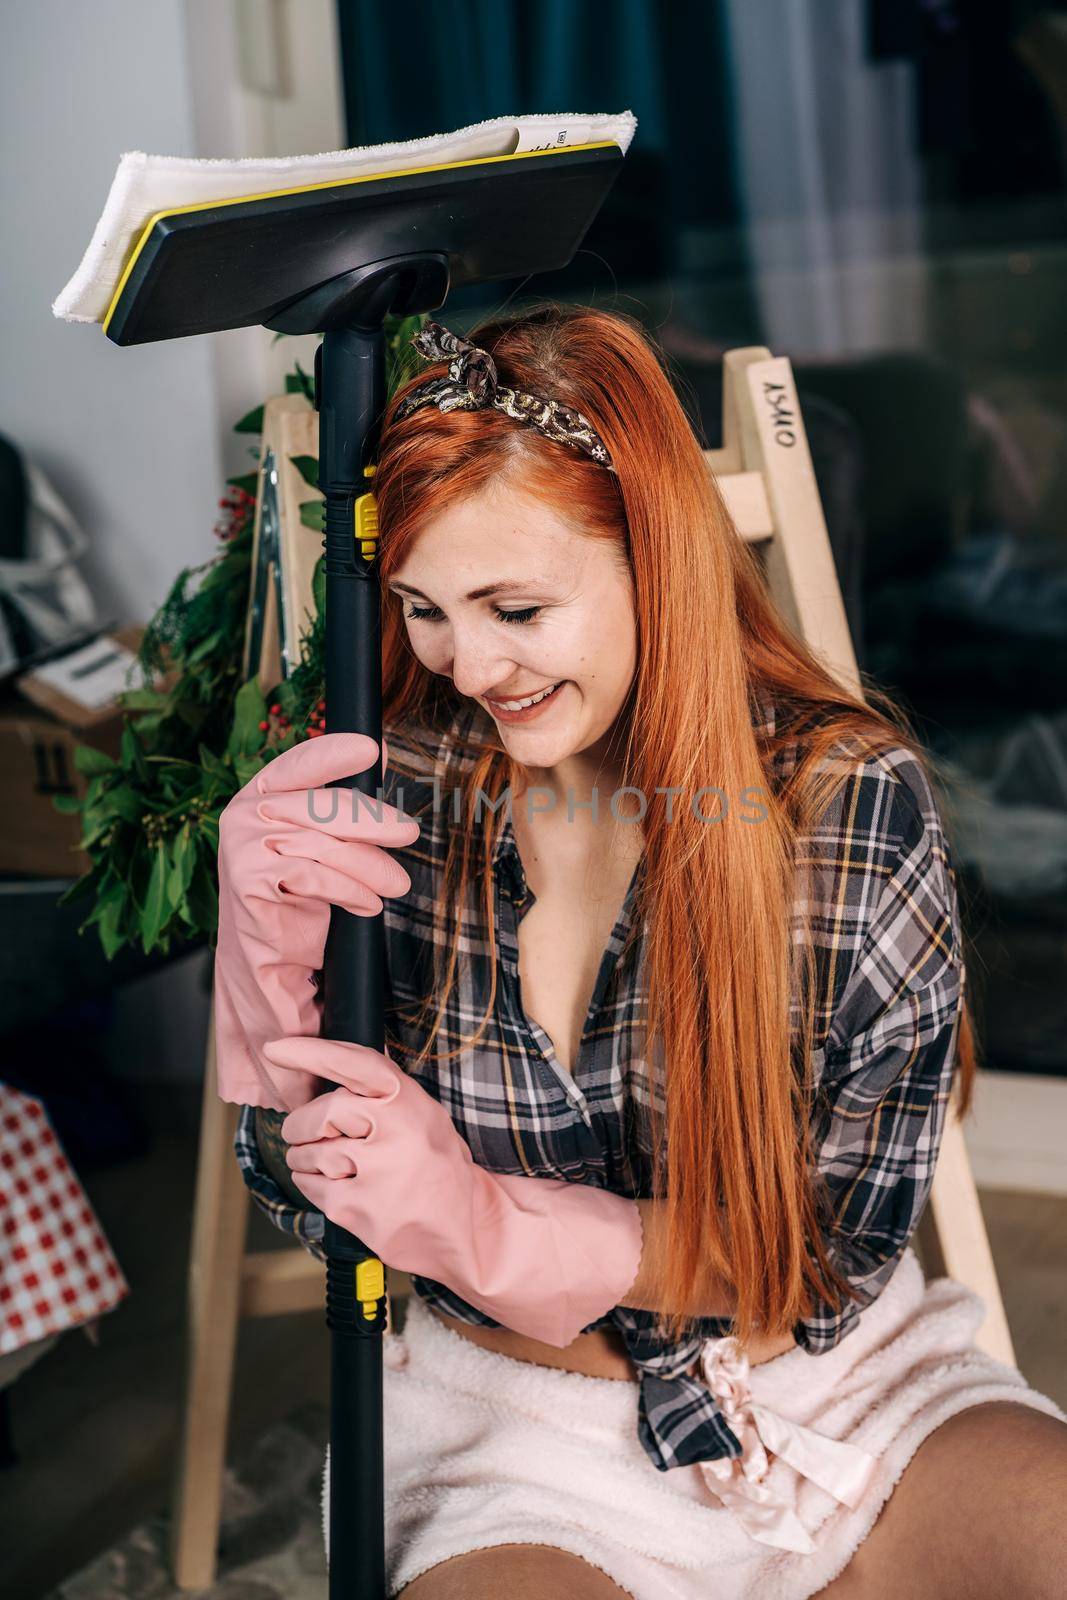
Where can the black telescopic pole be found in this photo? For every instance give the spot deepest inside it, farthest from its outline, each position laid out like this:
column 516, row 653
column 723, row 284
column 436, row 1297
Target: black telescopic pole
column 350, row 393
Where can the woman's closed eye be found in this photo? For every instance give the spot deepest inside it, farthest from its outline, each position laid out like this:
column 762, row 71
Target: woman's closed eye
column 433, row 613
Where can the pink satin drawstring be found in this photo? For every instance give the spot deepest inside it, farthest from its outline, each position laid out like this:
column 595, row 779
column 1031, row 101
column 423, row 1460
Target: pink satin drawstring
column 842, row 1470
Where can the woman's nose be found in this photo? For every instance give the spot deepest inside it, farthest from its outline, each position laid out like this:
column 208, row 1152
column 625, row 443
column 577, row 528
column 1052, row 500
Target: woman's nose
column 478, row 664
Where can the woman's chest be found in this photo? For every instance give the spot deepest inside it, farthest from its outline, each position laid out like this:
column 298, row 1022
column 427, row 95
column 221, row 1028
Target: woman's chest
column 532, row 1040
column 563, row 939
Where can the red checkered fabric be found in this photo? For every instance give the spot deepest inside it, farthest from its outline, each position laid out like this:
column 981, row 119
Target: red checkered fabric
column 57, row 1270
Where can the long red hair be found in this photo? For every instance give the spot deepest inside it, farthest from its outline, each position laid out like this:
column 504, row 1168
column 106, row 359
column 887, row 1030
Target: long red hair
column 733, row 1070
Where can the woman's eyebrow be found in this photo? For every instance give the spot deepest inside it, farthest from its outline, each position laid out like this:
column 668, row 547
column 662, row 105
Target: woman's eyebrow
column 505, row 586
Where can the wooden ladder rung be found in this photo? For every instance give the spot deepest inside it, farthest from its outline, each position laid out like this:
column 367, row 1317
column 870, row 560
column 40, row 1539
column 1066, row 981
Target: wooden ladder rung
column 275, row 1282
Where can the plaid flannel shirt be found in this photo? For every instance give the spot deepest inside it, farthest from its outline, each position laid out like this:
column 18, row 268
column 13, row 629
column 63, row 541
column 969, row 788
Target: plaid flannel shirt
column 888, row 959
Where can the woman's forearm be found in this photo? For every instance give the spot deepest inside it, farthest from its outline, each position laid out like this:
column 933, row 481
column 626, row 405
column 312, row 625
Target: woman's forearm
column 713, row 1296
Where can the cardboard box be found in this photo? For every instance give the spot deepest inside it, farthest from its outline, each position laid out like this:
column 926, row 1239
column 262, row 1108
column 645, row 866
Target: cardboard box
column 44, row 715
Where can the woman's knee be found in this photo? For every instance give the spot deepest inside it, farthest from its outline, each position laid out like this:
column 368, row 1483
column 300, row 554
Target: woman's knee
column 976, row 1514
column 1005, row 1470
column 514, row 1572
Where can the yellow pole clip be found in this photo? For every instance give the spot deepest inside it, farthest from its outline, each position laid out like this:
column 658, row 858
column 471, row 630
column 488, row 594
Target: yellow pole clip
column 365, row 514
column 370, row 1286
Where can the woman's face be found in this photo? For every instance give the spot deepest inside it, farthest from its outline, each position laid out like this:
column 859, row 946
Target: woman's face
column 508, row 600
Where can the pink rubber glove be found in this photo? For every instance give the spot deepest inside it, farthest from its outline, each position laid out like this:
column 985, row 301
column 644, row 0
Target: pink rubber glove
column 382, row 1158
column 280, row 869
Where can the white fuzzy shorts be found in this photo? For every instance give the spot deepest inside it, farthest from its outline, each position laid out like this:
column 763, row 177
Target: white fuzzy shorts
column 484, row 1450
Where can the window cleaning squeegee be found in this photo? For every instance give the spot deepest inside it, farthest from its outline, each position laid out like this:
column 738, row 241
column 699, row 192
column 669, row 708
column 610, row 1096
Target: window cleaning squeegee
column 349, row 238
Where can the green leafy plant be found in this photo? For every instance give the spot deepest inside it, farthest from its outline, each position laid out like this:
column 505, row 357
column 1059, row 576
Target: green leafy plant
column 150, row 817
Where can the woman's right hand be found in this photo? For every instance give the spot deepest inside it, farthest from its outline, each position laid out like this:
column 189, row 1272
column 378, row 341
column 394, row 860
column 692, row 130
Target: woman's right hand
column 289, row 848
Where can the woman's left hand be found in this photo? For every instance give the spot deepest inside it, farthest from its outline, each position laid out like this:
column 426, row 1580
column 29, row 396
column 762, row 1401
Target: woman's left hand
column 382, row 1158
column 379, row 1156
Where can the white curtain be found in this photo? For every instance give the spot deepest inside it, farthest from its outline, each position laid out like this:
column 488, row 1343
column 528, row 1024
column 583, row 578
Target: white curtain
column 829, row 178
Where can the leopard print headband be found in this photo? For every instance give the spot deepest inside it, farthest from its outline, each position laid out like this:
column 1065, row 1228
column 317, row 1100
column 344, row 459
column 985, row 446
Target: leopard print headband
column 472, row 384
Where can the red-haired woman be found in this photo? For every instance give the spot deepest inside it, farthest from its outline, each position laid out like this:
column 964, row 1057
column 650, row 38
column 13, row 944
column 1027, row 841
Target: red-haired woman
column 676, row 1008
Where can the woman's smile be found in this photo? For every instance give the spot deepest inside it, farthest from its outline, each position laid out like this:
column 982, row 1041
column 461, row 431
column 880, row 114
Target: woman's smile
column 526, row 707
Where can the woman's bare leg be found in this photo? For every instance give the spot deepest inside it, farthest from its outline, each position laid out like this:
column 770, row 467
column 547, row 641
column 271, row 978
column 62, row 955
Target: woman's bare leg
column 978, row 1514
column 517, row 1571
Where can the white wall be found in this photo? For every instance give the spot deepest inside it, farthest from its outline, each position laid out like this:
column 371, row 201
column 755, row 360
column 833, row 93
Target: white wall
column 129, row 437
